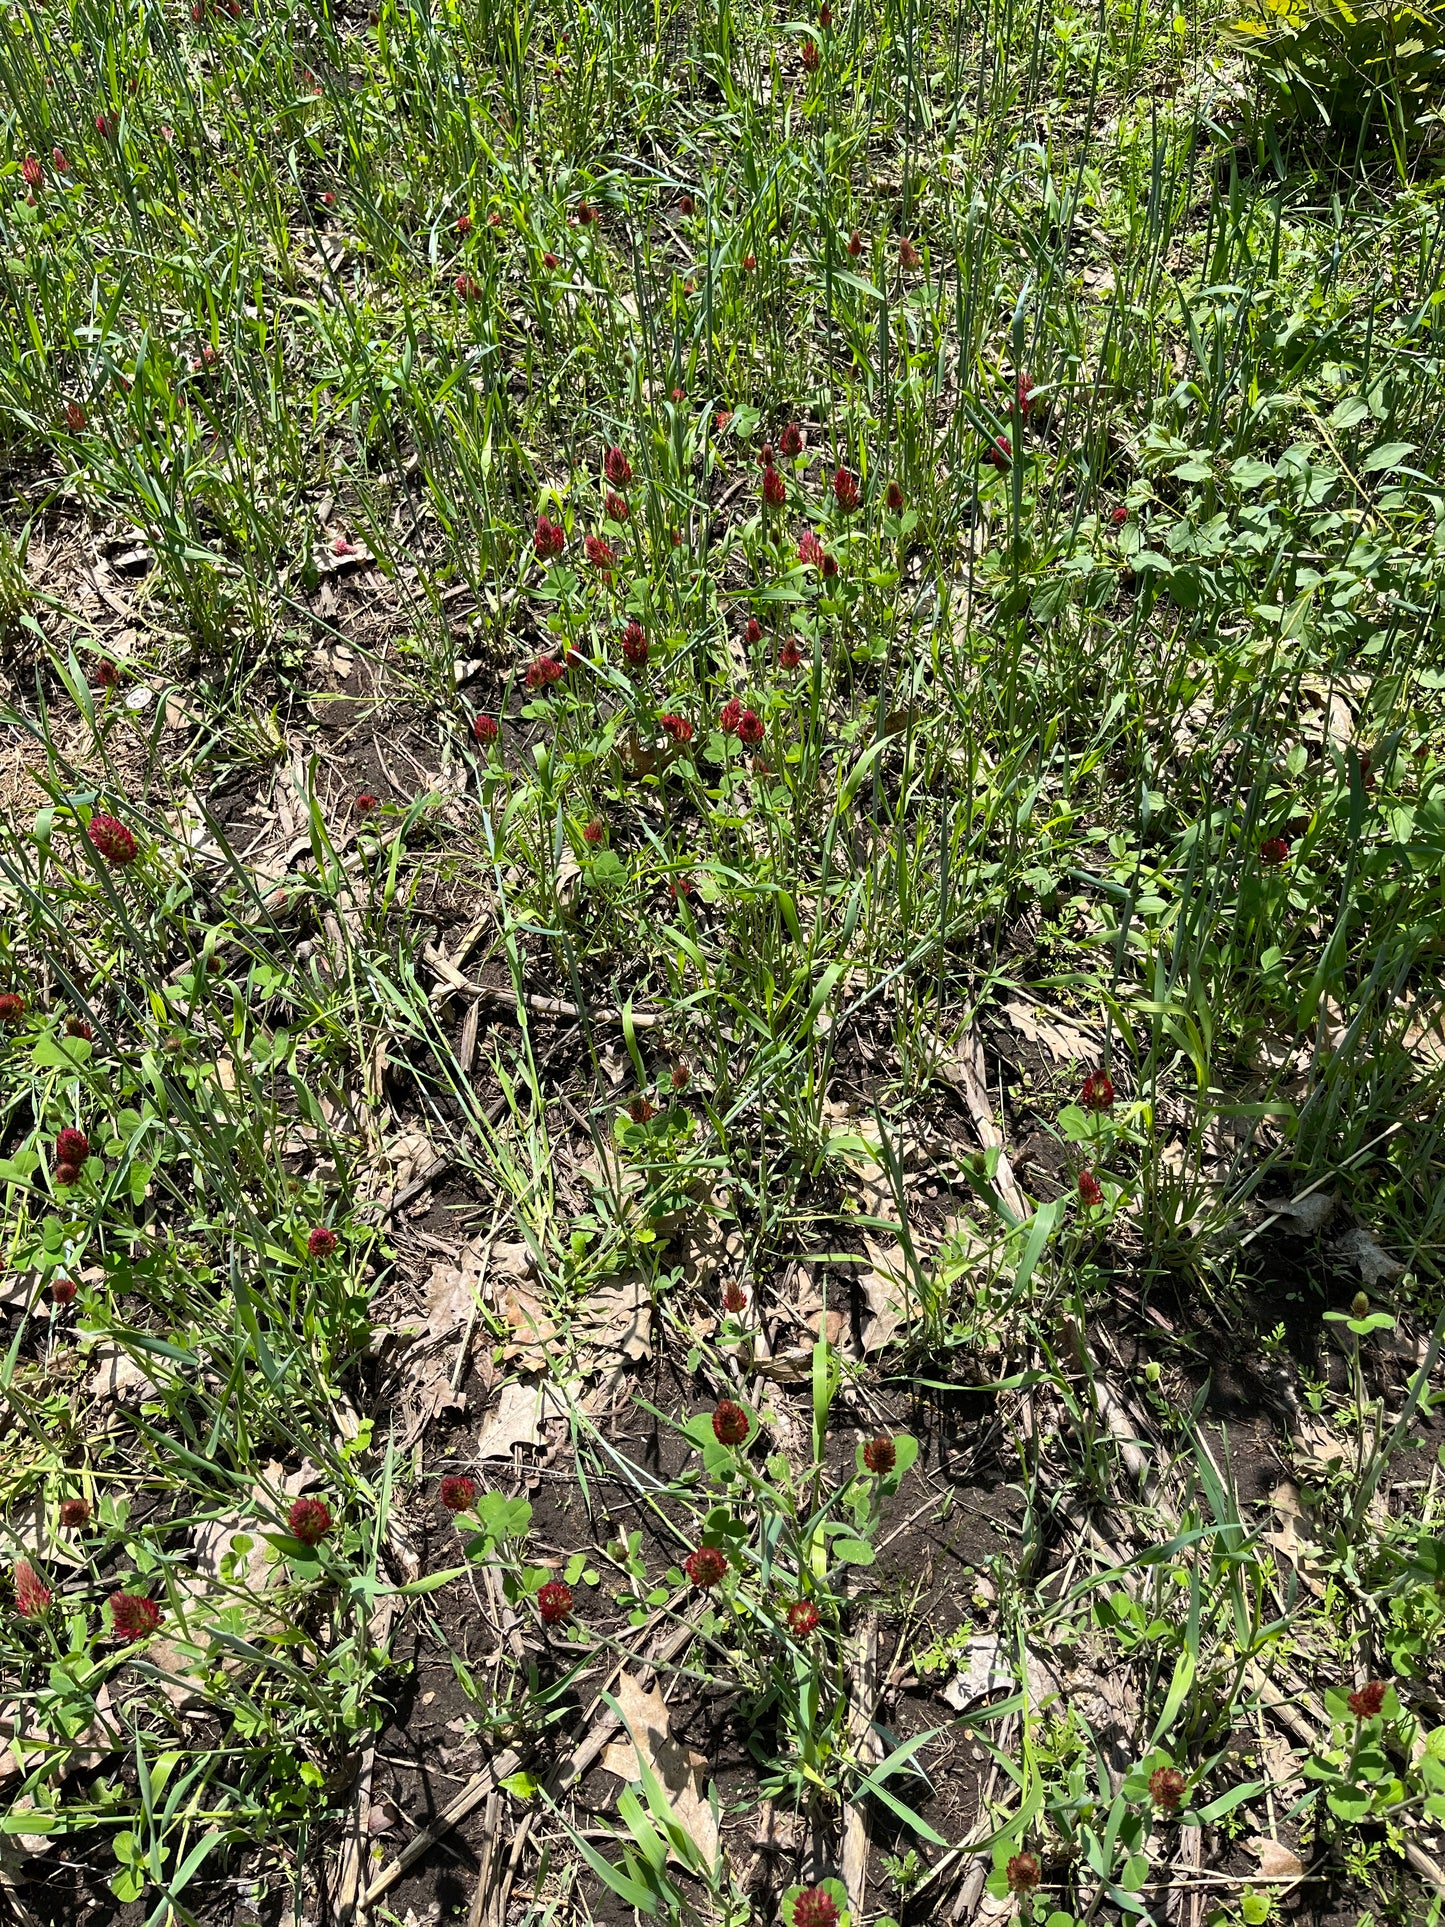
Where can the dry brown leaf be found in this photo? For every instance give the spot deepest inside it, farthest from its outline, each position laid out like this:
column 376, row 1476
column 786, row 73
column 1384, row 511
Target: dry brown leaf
column 118, row 1377
column 1063, row 1041
column 680, row 1770
column 522, row 1409
column 1276, row 1862
column 1317, row 1445
column 1359, row 1248
column 1304, row 1216
column 617, row 1320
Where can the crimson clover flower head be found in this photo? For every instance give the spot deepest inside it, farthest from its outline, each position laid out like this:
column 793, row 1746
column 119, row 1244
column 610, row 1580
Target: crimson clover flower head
column 1001, row 454
column 464, row 224
column 77, row 1027
column 893, row 496
column 802, row 1618
column 855, row 244
column 457, row 1492
column 790, row 655
column 554, row 1602
column 908, row 255
column 765, row 455
column 677, row 727
column 32, row 1595
column 729, row 1423
column 1023, row 1873
column 549, row 539
column 1025, row 395
column 63, row 1287
column 1367, row 1702
column 734, row 1299
column 111, row 839
column 1166, row 1787
column 468, row 287
column 31, row 171
column 1120, row 516
column 549, row 260
column 62, row 165
column 706, row 1568
column 133, row 1615
column 71, row 1146
column 830, row 566
column 599, row 552
column 775, row 489
column 815, row 1908
column 687, row 205
column 845, row 490
column 634, row 644
column 74, row 1513
column 322, row 1242
column 750, row 728
column 107, row 676
column 750, row 261
column 1274, row 851
column 810, row 549
column 681, row 1076
column 880, row 1455
column 1090, row 1191
column 754, row 630
column 485, row 729
column 812, row 59
column 616, row 467
column 791, row 440
column 594, row 832
column 586, row 213
column 721, row 420
column 365, row 803
column 616, row 507
column 309, row 1520
column 729, row 716
column 74, row 417
column 543, row 672
column 12, row 1007
column 1098, row 1092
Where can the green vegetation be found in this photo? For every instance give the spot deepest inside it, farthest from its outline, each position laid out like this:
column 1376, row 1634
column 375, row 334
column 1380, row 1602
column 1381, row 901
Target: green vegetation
column 722, row 851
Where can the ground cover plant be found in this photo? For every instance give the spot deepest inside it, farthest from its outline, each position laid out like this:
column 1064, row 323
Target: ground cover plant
column 722, row 816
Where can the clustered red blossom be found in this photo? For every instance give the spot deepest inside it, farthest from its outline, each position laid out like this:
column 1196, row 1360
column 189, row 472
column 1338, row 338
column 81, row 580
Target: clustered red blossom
column 74, row 417
column 1025, row 395
column 12, row 1007
column 753, row 634
column 810, row 550
column 615, row 507
column 775, row 489
column 457, row 1492
column 549, row 539
column 468, row 287
column 616, row 467
column 1001, row 454
column 1166, row 1787
column 77, row 1027
column 74, row 1513
column 485, row 729
column 112, row 840
column 133, row 1615
column 880, row 1455
column 802, row 1618
column 31, row 172
column 322, row 1242
column 1023, row 1873
column 677, row 727
column 814, row 1908
column 544, row 671
column 729, row 1423
column 1274, row 851
column 365, row 803
column 706, row 1568
column 63, row 1287
column 554, row 1602
column 32, row 1595
column 1098, row 1092
column 599, row 552
column 791, row 440
column 893, row 496
column 811, row 57
column 71, row 1146
column 594, row 831
column 1368, row 1700
column 845, row 490
column 734, row 1299
column 309, row 1520
column 790, row 655
column 1090, row 1192
column 681, row 1077
column 908, row 255
column 855, row 244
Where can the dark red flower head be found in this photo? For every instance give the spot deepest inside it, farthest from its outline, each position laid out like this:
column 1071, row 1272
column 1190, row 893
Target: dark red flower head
column 71, row 1146
column 1120, row 516
column 615, row 507
column 641, row 1111
column 908, row 255
column 811, row 57
column 802, row 1618
column 1368, row 1701
column 1023, row 1873
column 322, row 1242
column 594, row 831
column 365, row 803
column 830, row 567
column 880, row 1455
column 494, row 218
column 810, row 550
column 680, row 886
column 133, row 1615
column 464, row 224
column 825, row 15
column 791, row 440
column 586, row 213
column 1098, row 1092
column 107, row 676
column 74, row 417
column 1025, row 395
column 677, row 727
column 750, row 261
column 32, row 173
column 554, row 1602
column 687, row 205
column 790, row 655
column 549, row 539
column 845, row 490
column 543, row 672
column 734, row 1299
column 549, row 260
column 63, row 1287
column 765, row 455
column 855, row 244
column 328, row 199
column 681, row 1076
column 634, row 644
column 1166, row 1787
column 485, row 729
column 468, row 287
column 32, row 1595
column 457, row 1492
column 729, row 716
column 103, row 126
column 599, row 552
column 74, row 1513
column 1090, row 1192
column 750, row 728
column 309, row 1520
column 706, row 1568
column 62, row 165
column 775, row 489
column 1001, row 454
column 754, row 631
column 77, row 1027
column 729, row 1423
column 721, row 420
column 893, row 496
column 66, row 1174
column 112, row 840
column 12, row 1007
column 814, row 1908
column 1274, row 851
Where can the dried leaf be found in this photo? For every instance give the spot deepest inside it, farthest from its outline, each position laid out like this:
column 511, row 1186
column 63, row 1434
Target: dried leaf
column 118, row 1377
column 1063, row 1041
column 680, row 1770
column 1358, row 1247
column 617, row 1321
column 521, row 1411
column 1304, row 1216
column 1276, row 1862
